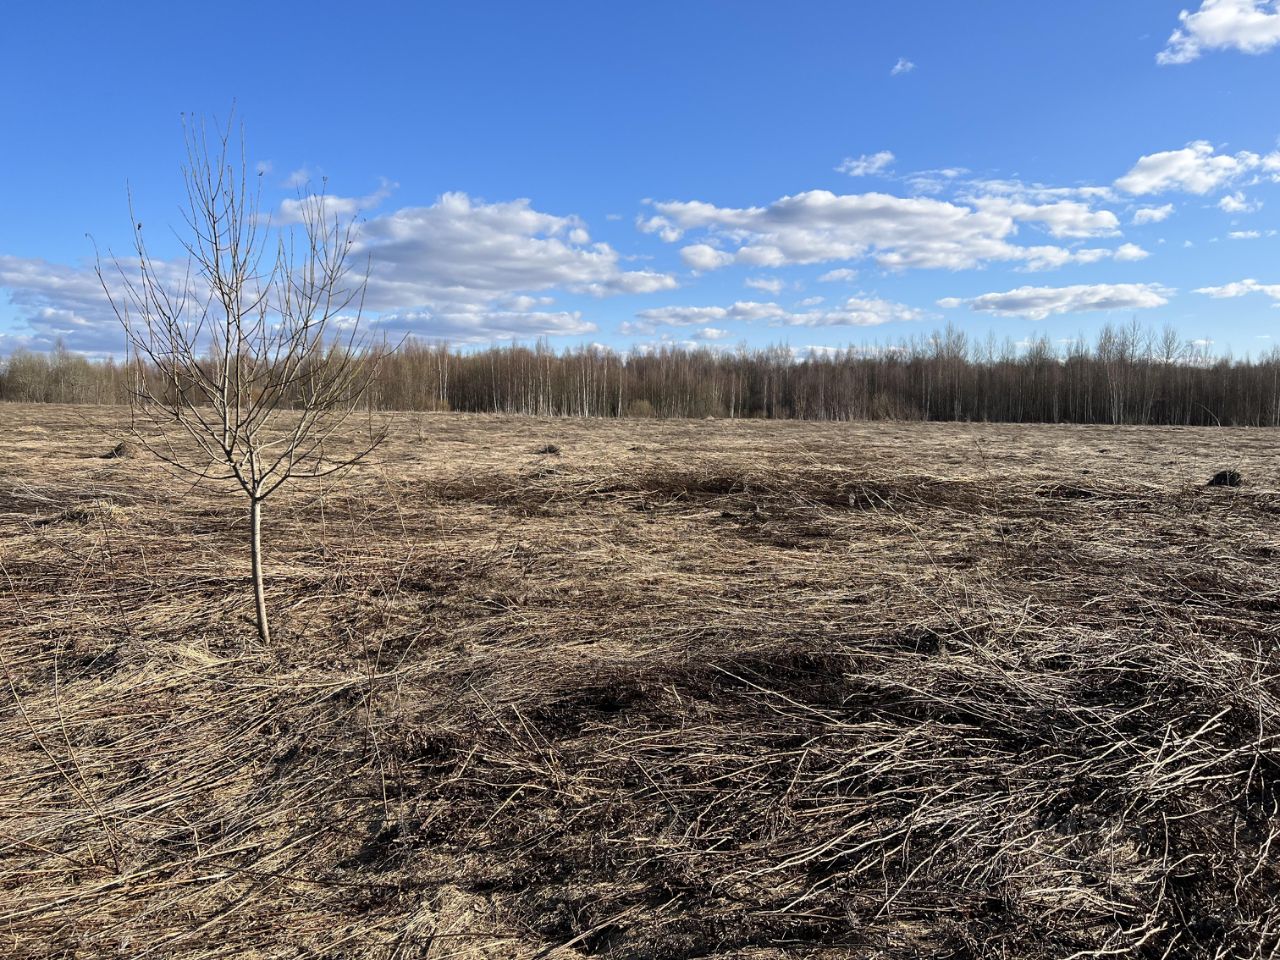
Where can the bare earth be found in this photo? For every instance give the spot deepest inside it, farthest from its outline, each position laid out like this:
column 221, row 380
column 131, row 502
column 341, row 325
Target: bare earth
column 684, row 689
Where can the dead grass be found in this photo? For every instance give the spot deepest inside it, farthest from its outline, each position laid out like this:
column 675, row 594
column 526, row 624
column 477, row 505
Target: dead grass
column 689, row 689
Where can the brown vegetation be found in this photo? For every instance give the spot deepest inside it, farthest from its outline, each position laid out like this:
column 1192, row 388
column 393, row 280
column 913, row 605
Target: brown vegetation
column 689, row 689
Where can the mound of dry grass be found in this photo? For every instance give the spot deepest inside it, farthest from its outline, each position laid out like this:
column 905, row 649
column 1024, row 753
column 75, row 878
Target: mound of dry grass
column 696, row 690
column 93, row 510
column 122, row 450
column 1225, row 478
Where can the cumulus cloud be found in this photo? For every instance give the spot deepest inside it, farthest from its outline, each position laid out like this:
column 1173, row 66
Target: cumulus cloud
column 857, row 312
column 1064, row 218
column 60, row 302
column 1037, row 303
column 46, row 327
column 1025, row 192
column 465, row 270
column 867, row 164
column 661, row 226
column 853, row 312
column 703, row 257
column 1250, row 26
column 934, row 181
column 1145, row 215
column 458, row 250
column 459, row 268
column 40, row 285
column 1242, row 288
column 1128, row 252
column 818, row 226
column 1244, row 235
column 839, row 275
column 293, row 210
column 710, row 334
column 1196, row 168
column 299, row 178
column 1238, row 203
column 746, row 310
column 902, row 66
column 767, row 284
column 474, row 324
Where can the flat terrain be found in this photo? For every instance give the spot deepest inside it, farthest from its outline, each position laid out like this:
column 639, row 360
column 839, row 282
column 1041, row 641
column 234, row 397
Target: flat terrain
column 682, row 689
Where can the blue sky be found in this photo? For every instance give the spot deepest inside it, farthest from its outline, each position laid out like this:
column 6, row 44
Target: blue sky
column 713, row 172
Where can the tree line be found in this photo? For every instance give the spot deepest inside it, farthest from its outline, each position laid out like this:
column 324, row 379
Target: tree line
column 1127, row 375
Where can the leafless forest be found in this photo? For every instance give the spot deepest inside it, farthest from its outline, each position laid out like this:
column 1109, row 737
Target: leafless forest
column 1129, row 375
column 570, row 687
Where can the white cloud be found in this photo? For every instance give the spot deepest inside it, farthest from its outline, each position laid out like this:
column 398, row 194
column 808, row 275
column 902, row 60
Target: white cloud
column 767, row 284
column 818, row 226
column 811, row 301
column 1196, row 168
column 867, row 164
column 459, row 268
column 299, row 178
column 902, row 66
column 1085, row 255
column 1250, row 26
column 661, row 226
column 469, row 252
column 839, row 275
column 804, row 353
column 62, row 302
column 1033, row 192
column 934, row 181
column 464, row 324
column 853, row 312
column 522, row 302
column 710, row 333
column 1242, row 288
column 1244, row 234
column 1145, row 215
column 293, row 209
column 1128, row 252
column 1037, row 303
column 703, row 257
column 1238, row 203
column 1064, row 218
column 857, row 312
column 744, row 310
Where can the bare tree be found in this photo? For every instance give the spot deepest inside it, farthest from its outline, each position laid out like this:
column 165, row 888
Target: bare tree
column 249, row 359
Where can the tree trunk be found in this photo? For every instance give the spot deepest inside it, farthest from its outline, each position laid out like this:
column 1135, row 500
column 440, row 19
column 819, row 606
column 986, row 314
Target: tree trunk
column 255, row 553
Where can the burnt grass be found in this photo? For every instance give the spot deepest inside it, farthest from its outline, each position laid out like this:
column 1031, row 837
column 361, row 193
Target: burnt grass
column 685, row 690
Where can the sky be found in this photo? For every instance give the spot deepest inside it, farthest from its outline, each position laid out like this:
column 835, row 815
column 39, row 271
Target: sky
column 712, row 172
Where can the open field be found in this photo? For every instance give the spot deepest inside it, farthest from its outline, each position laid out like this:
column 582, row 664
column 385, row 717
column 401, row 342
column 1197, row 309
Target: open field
column 683, row 689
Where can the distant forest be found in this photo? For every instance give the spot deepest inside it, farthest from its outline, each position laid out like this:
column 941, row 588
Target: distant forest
column 1128, row 375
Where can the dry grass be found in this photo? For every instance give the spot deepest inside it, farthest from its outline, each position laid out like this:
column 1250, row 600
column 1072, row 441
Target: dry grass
column 688, row 689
